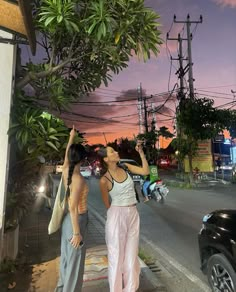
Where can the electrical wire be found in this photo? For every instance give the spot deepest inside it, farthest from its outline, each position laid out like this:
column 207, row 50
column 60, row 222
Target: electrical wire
column 102, row 102
column 221, row 86
column 228, row 103
column 214, row 92
column 95, row 105
column 213, row 96
column 171, row 64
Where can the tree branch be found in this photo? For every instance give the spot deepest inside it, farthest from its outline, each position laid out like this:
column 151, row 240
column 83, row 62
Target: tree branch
column 33, row 75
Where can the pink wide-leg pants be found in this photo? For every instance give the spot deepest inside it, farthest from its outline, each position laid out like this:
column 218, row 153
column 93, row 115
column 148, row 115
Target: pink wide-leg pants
column 122, row 239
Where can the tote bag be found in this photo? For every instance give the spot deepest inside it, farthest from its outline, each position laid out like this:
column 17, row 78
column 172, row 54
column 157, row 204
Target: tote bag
column 58, row 209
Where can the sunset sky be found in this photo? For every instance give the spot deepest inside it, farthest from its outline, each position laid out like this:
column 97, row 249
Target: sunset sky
column 214, row 71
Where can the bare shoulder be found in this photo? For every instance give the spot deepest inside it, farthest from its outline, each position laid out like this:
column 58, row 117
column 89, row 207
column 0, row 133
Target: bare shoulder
column 103, row 179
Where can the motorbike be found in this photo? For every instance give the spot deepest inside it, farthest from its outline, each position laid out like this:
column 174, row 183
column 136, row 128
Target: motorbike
column 156, row 190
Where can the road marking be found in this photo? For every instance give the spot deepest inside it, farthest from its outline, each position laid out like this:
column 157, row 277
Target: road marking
column 177, row 265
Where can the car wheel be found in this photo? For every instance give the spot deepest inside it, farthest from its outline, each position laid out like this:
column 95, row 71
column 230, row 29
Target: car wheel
column 220, row 273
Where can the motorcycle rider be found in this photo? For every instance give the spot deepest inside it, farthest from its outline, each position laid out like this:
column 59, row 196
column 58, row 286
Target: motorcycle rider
column 152, row 177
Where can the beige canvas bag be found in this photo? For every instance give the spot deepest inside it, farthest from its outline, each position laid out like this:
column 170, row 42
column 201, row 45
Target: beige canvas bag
column 58, row 209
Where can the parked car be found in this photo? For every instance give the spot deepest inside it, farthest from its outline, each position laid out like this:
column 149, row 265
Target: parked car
column 164, row 162
column 136, row 177
column 86, row 169
column 217, row 246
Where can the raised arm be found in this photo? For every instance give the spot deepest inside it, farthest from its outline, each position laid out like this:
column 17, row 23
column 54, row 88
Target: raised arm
column 70, row 142
column 144, row 169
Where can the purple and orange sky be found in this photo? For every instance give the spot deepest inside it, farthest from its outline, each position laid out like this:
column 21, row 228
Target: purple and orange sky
column 214, row 71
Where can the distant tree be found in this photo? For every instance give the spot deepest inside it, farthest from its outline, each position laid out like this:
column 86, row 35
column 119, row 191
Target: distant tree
column 164, row 132
column 232, row 123
column 197, row 119
column 126, row 147
column 151, row 139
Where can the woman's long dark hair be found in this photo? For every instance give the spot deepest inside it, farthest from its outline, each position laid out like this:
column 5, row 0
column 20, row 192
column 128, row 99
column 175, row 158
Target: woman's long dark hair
column 102, row 153
column 76, row 154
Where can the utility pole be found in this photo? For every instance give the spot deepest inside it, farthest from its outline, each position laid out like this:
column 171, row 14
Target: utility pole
column 105, row 138
column 188, row 23
column 181, row 71
column 154, row 120
column 145, row 114
column 140, row 108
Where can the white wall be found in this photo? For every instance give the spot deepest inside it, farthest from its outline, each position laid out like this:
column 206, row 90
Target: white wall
column 7, row 71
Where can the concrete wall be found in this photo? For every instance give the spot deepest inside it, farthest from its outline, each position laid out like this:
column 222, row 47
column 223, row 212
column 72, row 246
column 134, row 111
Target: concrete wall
column 7, row 72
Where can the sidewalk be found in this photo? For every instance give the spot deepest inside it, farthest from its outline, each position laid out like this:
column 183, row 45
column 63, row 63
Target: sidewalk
column 39, row 256
column 171, row 179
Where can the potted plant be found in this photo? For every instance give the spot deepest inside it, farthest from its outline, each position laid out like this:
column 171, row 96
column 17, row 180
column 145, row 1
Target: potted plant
column 19, row 199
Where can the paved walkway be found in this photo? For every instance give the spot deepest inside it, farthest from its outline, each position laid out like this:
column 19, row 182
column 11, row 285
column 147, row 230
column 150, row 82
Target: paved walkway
column 39, row 256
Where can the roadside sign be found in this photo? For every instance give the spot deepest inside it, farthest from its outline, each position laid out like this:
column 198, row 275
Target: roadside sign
column 203, row 159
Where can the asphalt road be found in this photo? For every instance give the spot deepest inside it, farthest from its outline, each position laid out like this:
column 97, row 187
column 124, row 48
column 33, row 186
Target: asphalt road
column 169, row 232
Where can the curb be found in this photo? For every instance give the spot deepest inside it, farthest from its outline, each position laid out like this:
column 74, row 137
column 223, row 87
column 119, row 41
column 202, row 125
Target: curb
column 147, row 273
column 204, row 183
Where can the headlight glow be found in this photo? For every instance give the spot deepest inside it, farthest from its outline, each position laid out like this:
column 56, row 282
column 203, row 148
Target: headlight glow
column 41, row 189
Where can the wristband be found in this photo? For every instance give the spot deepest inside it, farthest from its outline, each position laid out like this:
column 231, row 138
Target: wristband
column 76, row 234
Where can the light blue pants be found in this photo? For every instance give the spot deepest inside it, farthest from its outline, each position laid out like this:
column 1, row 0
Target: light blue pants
column 72, row 260
column 146, row 184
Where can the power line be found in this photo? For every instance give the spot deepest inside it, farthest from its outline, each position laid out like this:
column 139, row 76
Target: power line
column 221, row 86
column 215, row 92
column 100, row 102
column 225, row 104
column 213, row 96
column 123, row 116
column 118, row 91
column 95, row 105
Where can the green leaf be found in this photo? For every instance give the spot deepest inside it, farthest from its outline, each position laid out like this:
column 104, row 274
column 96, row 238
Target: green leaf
column 53, row 137
column 91, row 28
column 59, row 18
column 51, row 145
column 75, row 26
column 103, row 28
column 52, row 130
column 31, row 149
column 49, row 20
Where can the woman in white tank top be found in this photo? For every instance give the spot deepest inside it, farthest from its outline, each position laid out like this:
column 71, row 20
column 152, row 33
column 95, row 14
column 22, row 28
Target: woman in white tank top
column 122, row 225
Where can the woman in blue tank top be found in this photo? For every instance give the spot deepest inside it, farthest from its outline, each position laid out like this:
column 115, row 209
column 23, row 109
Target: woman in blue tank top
column 122, row 225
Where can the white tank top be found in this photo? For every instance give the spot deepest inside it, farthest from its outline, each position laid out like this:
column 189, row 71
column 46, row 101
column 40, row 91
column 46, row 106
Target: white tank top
column 123, row 193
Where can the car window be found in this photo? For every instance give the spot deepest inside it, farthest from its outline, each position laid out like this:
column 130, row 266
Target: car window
column 223, row 222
